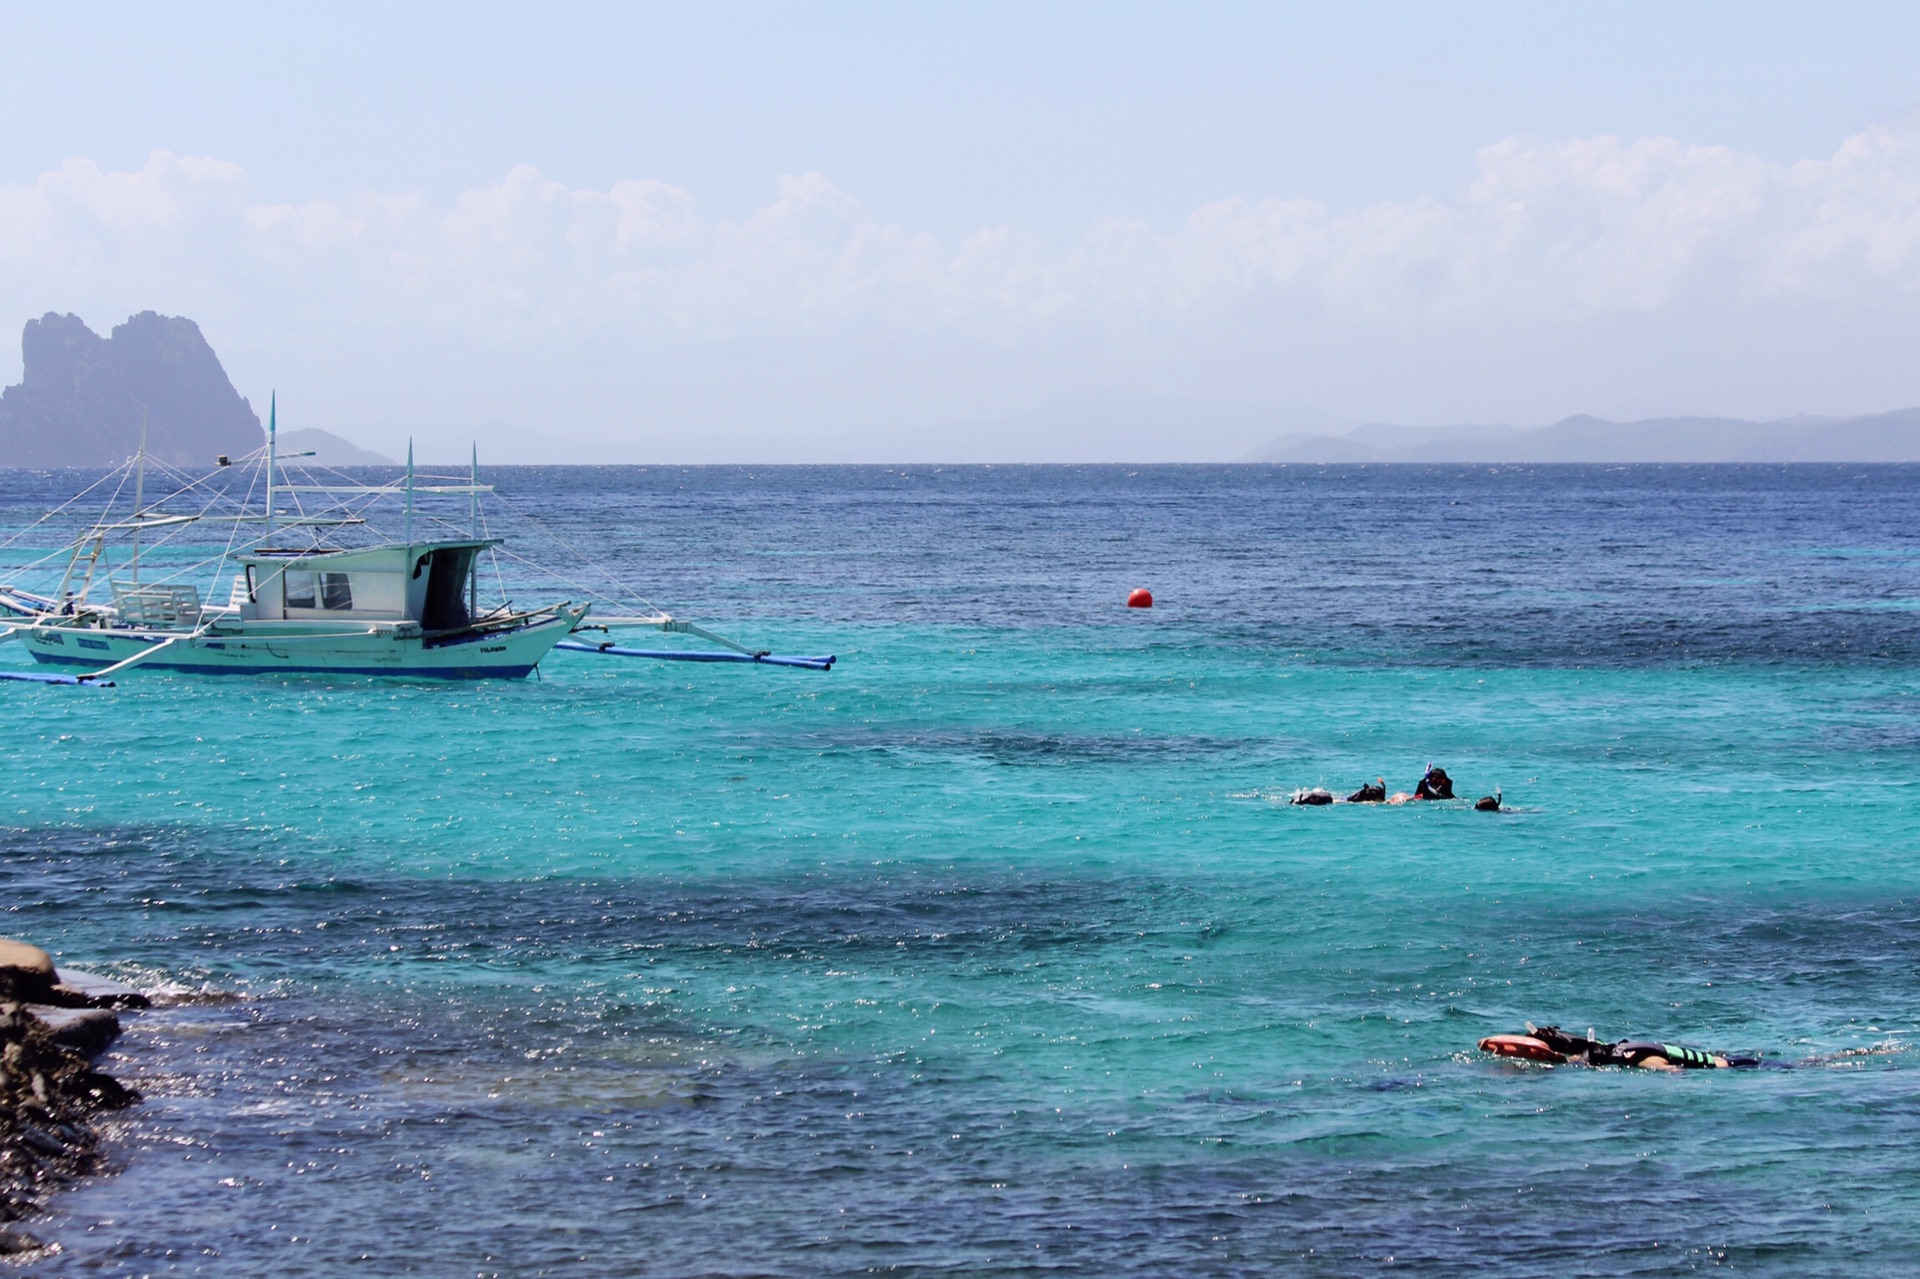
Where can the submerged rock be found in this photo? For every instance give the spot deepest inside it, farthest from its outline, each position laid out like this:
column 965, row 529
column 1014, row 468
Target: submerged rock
column 87, row 1031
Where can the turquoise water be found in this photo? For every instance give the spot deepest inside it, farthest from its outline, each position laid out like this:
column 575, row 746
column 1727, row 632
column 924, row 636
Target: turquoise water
column 998, row 949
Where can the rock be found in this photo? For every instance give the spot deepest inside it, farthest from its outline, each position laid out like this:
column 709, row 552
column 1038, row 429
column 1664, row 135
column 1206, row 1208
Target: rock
column 48, row 1095
column 76, row 989
column 81, row 397
column 26, row 972
column 87, row 1031
column 48, row 1090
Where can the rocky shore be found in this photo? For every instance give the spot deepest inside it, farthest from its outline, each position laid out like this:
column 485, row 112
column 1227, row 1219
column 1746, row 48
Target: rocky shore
column 51, row 1026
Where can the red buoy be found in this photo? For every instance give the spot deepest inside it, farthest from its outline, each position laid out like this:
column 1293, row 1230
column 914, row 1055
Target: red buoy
column 1140, row 598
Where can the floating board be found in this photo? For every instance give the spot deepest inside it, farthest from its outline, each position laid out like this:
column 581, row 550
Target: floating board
column 1524, row 1047
column 48, row 677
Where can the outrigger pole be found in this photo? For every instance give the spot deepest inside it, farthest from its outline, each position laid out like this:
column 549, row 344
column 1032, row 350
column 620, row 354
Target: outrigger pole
column 611, row 649
column 673, row 625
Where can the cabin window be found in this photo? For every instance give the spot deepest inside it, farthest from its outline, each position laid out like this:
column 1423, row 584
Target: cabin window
column 318, row 590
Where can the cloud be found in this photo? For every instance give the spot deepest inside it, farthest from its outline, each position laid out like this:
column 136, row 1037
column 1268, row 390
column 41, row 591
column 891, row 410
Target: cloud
column 1588, row 227
column 79, row 218
column 1588, row 242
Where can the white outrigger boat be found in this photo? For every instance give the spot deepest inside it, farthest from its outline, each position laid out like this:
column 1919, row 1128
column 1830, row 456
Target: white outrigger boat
column 399, row 607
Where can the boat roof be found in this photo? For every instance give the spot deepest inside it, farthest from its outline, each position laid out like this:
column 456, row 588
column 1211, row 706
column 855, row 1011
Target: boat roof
column 281, row 555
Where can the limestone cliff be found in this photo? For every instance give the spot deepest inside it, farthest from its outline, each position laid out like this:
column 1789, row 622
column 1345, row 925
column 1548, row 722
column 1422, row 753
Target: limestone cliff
column 80, row 397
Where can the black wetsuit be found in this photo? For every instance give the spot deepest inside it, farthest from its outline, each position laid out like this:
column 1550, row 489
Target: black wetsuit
column 1632, row 1052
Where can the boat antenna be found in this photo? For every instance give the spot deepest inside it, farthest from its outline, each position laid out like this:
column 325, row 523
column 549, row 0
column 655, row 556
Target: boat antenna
column 139, row 492
column 273, row 430
column 409, row 491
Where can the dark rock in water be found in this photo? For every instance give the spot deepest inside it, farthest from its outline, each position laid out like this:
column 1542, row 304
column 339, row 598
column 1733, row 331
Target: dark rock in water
column 87, row 1031
column 76, row 989
column 81, row 396
column 48, row 1095
column 48, row 1090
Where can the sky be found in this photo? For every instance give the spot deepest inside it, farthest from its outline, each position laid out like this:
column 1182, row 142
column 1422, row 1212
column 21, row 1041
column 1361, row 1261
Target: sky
column 985, row 232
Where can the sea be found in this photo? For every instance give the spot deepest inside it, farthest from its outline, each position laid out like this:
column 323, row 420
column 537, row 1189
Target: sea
column 999, row 949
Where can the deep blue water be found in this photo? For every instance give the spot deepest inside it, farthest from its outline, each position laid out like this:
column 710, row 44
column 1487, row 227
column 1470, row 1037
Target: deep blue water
column 997, row 950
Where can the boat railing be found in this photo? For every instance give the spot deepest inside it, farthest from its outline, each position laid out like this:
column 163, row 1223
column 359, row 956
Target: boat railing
column 170, row 607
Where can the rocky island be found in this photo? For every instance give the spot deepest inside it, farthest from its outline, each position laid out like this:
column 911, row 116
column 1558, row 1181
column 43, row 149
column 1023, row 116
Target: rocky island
column 82, row 397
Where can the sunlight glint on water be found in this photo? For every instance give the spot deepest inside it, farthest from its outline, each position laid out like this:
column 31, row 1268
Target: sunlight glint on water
column 998, row 949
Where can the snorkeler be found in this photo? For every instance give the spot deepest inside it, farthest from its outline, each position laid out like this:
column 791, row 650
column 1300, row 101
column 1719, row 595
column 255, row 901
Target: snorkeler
column 1433, row 784
column 1555, row 1046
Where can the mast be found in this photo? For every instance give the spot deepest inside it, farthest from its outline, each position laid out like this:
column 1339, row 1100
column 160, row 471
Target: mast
column 139, row 492
column 473, row 531
column 273, row 414
column 409, row 492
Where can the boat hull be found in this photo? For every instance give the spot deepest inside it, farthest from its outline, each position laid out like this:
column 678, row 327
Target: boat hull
column 505, row 654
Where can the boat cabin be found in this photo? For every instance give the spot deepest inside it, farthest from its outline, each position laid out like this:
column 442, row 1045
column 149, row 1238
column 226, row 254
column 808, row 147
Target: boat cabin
column 431, row 583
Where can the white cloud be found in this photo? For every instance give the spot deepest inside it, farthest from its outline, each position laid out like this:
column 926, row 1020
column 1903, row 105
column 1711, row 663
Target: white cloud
column 1589, row 227
column 530, row 293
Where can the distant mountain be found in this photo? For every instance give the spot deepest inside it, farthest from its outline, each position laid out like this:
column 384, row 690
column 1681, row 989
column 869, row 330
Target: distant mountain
column 81, row 396
column 1879, row 437
column 329, row 449
column 1315, row 448
column 1113, row 427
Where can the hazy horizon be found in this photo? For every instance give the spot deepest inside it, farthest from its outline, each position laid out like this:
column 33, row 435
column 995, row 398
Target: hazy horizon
column 1083, row 232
